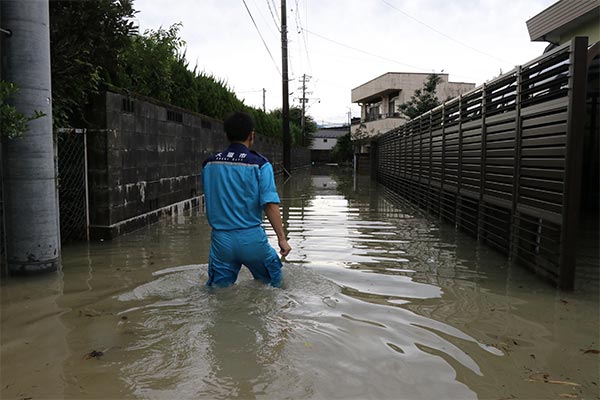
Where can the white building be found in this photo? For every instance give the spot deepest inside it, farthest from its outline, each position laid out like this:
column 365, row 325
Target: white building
column 380, row 97
column 324, row 140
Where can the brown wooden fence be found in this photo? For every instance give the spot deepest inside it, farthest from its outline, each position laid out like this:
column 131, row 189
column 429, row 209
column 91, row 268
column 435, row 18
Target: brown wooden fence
column 502, row 162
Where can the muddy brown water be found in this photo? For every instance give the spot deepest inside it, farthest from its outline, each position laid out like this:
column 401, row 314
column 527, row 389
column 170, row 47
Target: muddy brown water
column 379, row 302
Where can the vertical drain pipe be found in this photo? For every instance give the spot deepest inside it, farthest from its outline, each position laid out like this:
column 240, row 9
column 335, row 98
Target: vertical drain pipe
column 32, row 228
column 87, row 190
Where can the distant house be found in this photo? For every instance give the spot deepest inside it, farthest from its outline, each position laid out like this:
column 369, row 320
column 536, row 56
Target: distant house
column 324, row 140
column 380, row 97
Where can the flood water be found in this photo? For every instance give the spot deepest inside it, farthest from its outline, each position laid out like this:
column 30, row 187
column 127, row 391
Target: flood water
column 378, row 302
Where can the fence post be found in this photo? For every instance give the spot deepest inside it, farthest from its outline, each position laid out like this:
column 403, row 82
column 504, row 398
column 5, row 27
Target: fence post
column 573, row 160
column 409, row 159
column 374, row 155
column 482, row 162
column 430, row 157
column 459, row 171
column 443, row 171
column 516, row 169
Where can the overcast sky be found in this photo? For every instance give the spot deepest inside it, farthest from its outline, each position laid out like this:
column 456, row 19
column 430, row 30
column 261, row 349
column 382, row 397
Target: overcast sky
column 342, row 44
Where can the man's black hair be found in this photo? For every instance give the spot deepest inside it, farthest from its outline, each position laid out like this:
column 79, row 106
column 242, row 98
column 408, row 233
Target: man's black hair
column 238, row 126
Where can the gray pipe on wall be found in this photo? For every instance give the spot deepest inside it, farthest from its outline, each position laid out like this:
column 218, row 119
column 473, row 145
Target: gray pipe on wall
column 31, row 212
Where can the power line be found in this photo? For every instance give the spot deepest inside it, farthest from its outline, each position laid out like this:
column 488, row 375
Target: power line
column 261, row 37
column 299, row 47
column 275, row 12
column 275, row 20
column 304, row 36
column 292, row 75
column 302, row 33
column 285, row 106
column 296, row 11
column 249, row 91
column 431, row 70
column 266, row 20
column 364, row 51
column 443, row 34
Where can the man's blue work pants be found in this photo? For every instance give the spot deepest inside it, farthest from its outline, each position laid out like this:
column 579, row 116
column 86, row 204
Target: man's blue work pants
column 250, row 247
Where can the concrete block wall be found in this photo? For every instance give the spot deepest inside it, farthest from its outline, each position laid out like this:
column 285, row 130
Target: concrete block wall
column 145, row 160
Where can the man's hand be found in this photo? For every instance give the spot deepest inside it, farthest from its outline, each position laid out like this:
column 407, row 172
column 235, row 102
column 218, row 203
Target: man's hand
column 272, row 212
column 285, row 248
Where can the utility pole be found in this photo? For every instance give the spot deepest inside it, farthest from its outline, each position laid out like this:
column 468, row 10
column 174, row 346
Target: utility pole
column 350, row 120
column 264, row 97
column 30, row 207
column 285, row 109
column 303, row 100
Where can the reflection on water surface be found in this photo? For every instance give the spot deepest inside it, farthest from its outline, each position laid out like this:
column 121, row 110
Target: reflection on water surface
column 378, row 302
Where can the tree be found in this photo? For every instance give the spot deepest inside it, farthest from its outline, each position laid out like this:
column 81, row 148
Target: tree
column 94, row 44
column 343, row 151
column 266, row 123
column 423, row 99
column 13, row 122
column 87, row 40
column 310, row 126
column 150, row 61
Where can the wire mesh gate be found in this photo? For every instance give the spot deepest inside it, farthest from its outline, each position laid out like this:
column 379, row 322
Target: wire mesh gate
column 3, row 264
column 73, row 184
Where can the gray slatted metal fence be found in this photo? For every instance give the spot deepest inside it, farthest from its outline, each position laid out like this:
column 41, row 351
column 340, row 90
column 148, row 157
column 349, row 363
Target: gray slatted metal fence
column 502, row 162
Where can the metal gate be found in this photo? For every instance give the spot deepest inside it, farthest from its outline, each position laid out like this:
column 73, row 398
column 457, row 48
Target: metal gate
column 72, row 184
column 3, row 264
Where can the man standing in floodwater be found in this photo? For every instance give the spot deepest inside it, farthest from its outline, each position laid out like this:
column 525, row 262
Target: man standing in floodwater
column 238, row 187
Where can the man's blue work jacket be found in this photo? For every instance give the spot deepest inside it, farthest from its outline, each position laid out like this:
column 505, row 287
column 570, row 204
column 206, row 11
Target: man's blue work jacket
column 238, row 183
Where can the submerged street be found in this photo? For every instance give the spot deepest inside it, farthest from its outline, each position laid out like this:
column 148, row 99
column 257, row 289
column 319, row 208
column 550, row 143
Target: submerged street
column 378, row 302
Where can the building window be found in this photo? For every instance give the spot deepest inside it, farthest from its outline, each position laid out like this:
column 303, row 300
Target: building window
column 373, row 112
column 324, row 140
column 393, row 107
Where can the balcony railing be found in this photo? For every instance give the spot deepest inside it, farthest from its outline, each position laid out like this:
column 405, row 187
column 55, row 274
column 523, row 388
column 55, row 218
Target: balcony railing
column 377, row 117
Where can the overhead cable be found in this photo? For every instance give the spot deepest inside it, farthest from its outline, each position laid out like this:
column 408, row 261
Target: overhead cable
column 365, row 52
column 275, row 20
column 302, row 33
column 443, row 34
column 261, row 37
